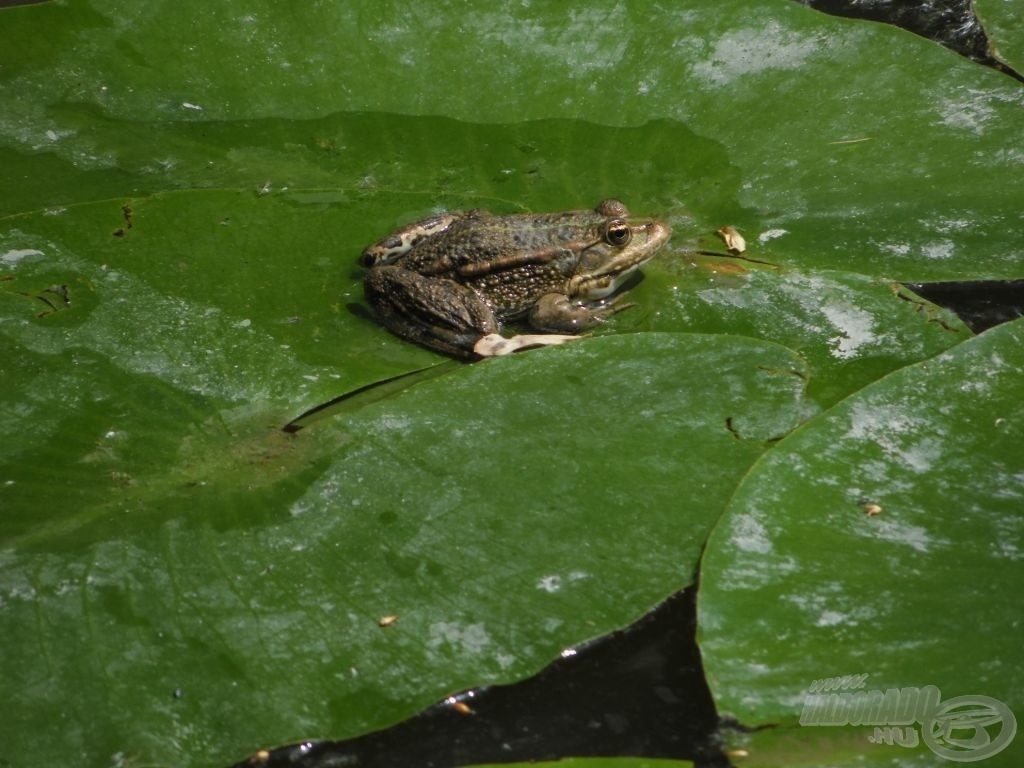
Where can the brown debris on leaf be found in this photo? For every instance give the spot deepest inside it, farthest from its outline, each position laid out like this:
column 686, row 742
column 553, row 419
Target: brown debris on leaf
column 734, row 241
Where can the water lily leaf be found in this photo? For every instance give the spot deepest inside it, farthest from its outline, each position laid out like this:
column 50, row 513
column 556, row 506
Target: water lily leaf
column 497, row 478
column 886, row 537
column 190, row 335
column 550, row 163
column 851, row 329
column 1003, row 21
column 840, row 176
column 161, row 283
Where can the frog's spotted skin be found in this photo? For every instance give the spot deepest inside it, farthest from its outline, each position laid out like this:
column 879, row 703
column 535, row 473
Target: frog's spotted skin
column 451, row 280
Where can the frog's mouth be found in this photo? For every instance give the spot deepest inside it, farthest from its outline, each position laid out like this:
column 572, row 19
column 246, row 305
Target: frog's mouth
column 589, row 287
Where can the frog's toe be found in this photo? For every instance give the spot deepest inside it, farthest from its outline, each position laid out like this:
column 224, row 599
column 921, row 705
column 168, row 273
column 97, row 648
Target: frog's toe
column 495, row 345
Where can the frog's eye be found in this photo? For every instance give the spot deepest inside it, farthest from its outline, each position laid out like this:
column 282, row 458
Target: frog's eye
column 617, row 233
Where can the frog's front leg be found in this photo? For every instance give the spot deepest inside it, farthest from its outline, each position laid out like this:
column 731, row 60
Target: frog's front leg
column 442, row 314
column 557, row 312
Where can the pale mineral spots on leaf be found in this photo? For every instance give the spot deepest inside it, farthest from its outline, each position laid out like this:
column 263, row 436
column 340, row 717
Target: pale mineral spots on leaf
column 913, row 536
column 25, row 593
column 1007, row 486
column 830, row 619
column 981, row 379
column 1006, row 550
column 896, row 249
column 771, row 234
column 471, row 639
column 552, row 624
column 754, row 50
column 551, row 583
column 161, row 166
column 753, row 556
column 831, row 605
column 585, row 39
column 946, row 225
column 750, row 535
column 189, row 347
column 921, row 456
column 973, row 109
column 941, row 249
column 731, row 297
column 389, row 423
column 12, row 257
column 830, row 311
column 904, row 434
column 997, row 364
column 856, row 329
column 1010, row 156
column 969, row 114
column 554, row 582
column 756, row 669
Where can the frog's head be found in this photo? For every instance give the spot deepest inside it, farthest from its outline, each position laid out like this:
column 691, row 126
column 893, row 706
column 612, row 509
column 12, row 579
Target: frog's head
column 621, row 245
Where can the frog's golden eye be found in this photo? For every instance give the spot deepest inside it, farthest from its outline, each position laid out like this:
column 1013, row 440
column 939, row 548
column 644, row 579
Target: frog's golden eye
column 617, row 233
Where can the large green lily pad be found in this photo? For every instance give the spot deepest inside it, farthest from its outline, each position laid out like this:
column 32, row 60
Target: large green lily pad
column 289, row 550
column 844, row 157
column 1002, row 20
column 886, row 535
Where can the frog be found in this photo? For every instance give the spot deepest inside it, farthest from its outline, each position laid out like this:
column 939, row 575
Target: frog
column 453, row 280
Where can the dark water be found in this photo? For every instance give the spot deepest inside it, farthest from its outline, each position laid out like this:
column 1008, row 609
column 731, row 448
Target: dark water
column 952, row 23
column 638, row 692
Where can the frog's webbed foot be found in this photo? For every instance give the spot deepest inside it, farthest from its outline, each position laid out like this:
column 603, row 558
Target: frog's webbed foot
column 437, row 313
column 495, row 345
column 557, row 312
column 553, row 312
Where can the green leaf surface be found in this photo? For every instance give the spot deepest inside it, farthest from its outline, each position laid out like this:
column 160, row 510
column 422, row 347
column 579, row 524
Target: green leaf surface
column 924, row 592
column 1004, row 23
column 494, row 479
column 185, row 190
column 850, row 329
column 847, row 161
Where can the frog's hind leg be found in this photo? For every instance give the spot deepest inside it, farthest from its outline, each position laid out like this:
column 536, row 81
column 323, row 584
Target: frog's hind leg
column 443, row 315
column 435, row 312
